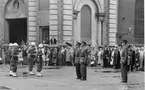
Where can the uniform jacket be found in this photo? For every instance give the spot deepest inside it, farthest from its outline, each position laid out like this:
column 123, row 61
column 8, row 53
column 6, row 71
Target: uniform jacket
column 77, row 55
column 124, row 55
column 32, row 51
column 14, row 54
column 84, row 55
column 39, row 54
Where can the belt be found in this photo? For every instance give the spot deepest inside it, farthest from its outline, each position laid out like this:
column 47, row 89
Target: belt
column 82, row 57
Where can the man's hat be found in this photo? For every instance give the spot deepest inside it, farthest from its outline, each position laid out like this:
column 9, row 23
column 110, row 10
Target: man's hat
column 124, row 41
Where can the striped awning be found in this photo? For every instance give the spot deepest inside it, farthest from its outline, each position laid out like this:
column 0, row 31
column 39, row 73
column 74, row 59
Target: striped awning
column 43, row 18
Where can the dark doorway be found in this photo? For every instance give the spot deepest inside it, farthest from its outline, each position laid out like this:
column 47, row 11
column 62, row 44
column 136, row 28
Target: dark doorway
column 17, row 30
column 44, row 33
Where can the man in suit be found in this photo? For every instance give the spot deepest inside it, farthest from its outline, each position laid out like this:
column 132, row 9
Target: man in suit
column 124, row 61
column 53, row 41
column 131, row 62
column 105, row 57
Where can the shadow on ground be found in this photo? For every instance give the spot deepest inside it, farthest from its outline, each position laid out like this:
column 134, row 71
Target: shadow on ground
column 4, row 88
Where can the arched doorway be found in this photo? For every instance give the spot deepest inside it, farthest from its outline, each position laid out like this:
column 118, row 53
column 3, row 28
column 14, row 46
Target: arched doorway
column 15, row 22
column 139, row 21
column 86, row 23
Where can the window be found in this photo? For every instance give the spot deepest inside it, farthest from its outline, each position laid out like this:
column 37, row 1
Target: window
column 16, row 4
column 86, row 23
column 43, row 5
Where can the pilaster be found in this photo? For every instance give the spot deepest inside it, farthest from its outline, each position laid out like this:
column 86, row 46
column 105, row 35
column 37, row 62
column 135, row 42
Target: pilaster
column 32, row 21
column 2, row 21
column 60, row 17
column 112, row 22
column 53, row 17
column 67, row 21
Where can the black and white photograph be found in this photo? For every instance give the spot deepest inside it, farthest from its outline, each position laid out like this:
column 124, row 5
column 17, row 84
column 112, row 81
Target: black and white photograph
column 72, row 45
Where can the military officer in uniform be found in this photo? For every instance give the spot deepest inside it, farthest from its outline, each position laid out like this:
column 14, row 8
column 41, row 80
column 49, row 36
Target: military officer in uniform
column 83, row 61
column 14, row 60
column 77, row 60
column 31, row 57
column 124, row 61
column 39, row 60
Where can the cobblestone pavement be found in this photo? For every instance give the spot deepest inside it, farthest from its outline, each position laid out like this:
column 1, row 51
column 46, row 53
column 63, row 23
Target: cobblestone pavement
column 63, row 78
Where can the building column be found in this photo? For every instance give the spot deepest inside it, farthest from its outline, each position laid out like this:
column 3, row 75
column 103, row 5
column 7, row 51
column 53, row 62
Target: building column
column 99, row 33
column 68, row 21
column 32, row 23
column 53, row 17
column 112, row 22
column 2, row 21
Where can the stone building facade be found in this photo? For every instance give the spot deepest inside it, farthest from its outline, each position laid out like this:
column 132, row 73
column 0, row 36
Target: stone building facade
column 94, row 21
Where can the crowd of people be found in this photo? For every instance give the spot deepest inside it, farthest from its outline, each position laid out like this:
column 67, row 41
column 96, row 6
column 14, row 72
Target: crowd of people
column 69, row 55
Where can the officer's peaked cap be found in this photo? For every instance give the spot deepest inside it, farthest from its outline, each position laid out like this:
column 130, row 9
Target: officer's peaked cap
column 78, row 43
column 83, row 42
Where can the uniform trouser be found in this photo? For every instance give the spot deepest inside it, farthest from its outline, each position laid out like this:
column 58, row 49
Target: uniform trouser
column 83, row 70
column 39, row 64
column 31, row 62
column 124, row 71
column 78, row 72
column 13, row 64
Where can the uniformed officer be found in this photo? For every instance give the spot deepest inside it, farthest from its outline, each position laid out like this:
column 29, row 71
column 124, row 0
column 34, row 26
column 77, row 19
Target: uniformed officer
column 83, row 61
column 14, row 60
column 77, row 60
column 31, row 57
column 39, row 60
column 124, row 60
